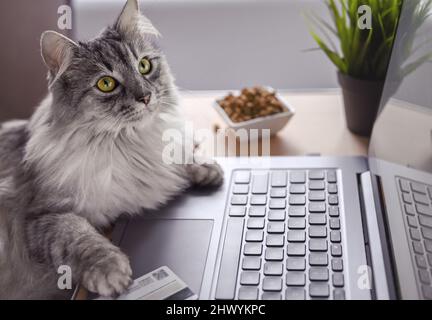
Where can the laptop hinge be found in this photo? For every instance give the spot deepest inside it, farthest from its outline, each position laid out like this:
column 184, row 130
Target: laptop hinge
column 373, row 239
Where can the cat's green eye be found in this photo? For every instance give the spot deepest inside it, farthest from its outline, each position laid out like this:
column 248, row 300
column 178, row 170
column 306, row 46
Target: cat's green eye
column 145, row 66
column 106, row 84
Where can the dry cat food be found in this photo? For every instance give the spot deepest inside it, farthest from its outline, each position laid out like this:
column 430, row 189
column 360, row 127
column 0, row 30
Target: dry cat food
column 252, row 103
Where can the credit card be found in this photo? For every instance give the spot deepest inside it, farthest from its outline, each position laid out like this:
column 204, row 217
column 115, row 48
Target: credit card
column 160, row 284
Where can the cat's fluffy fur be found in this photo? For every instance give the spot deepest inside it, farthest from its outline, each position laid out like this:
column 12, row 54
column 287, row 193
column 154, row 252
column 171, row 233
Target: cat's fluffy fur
column 86, row 157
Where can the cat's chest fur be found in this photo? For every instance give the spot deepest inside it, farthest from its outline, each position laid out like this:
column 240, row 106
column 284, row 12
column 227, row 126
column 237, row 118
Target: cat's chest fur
column 104, row 178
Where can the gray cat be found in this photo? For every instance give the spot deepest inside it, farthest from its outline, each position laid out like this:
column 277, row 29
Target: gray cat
column 91, row 151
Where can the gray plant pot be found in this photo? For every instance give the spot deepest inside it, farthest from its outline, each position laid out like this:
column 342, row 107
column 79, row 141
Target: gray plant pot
column 361, row 100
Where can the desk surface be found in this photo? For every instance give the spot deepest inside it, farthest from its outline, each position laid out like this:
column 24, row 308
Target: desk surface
column 318, row 126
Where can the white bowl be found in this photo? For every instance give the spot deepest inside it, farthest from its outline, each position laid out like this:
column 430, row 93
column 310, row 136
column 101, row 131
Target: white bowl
column 274, row 122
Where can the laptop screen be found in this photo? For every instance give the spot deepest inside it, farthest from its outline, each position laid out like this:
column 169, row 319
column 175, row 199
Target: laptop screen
column 403, row 130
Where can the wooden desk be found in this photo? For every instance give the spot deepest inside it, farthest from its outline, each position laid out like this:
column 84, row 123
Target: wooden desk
column 318, row 126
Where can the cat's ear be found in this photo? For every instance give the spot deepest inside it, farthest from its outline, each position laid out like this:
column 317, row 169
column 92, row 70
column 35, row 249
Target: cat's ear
column 56, row 51
column 132, row 23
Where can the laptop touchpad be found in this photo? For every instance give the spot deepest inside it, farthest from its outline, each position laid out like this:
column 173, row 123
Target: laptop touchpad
column 182, row 245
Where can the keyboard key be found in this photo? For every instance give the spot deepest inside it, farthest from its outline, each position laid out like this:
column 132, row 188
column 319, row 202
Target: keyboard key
column 276, row 215
column 248, row 293
column 274, row 254
column 429, row 258
column 333, row 200
column 258, row 200
column 421, row 199
column 318, row 219
column 272, row 284
column 338, row 279
column 297, row 177
column 296, row 249
column 257, row 211
column 273, row 269
column 428, row 246
column 295, row 293
column 334, row 223
column 339, row 294
column 296, row 236
column 332, row 188
column 250, row 278
column 425, row 221
column 241, row 189
column 279, row 179
column 337, row 264
column 318, row 245
column 317, row 232
column 318, row 274
column 427, row 233
column 277, row 204
column 271, row 296
column 297, row 189
column 318, row 259
column 317, row 196
column 297, row 223
column 254, row 236
column 317, row 207
column 409, row 209
column 237, row 211
column 412, row 222
column 418, row 188
column 242, row 177
column 406, row 197
column 404, row 185
column 421, row 261
column 296, row 264
column 259, row 183
column 424, row 276
column 297, row 211
column 295, row 278
column 316, row 175
column 335, row 236
column 331, row 176
column 275, row 240
column 276, row 227
column 278, row 193
column 417, row 247
column 336, row 250
column 430, row 192
column 319, row 290
column 427, row 292
column 230, row 259
column 239, row 200
column 334, row 212
column 421, row 209
column 255, row 223
column 316, row 185
column 297, row 200
column 252, row 249
column 415, row 234
column 251, row 263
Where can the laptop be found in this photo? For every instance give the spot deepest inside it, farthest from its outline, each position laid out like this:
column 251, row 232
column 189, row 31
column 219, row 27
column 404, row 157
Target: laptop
column 311, row 227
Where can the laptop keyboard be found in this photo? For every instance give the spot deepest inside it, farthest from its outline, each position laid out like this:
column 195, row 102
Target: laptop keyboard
column 283, row 237
column 417, row 203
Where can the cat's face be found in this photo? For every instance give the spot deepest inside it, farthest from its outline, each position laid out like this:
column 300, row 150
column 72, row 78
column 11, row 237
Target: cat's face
column 117, row 80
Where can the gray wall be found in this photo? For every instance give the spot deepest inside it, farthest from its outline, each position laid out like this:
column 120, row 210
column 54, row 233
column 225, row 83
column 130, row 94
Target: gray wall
column 23, row 75
column 226, row 44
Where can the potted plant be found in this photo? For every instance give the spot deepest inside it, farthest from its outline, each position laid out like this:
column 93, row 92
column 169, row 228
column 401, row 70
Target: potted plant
column 362, row 56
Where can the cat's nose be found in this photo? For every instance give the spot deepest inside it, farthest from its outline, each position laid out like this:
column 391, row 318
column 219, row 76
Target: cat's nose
column 145, row 98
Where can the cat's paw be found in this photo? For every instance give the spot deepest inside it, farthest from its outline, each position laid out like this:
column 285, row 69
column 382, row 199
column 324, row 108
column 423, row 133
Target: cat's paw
column 208, row 174
column 110, row 276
